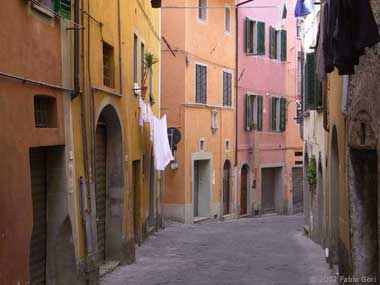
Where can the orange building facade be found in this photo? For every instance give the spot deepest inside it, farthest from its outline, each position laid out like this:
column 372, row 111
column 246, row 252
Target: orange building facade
column 198, row 96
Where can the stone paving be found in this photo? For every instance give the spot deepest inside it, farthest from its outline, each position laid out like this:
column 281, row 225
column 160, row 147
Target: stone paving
column 260, row 250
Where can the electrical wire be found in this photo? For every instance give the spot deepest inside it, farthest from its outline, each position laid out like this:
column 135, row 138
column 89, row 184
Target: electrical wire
column 219, row 7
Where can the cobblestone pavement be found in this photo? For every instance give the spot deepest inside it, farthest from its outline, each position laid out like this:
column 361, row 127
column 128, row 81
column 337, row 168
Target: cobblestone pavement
column 264, row 250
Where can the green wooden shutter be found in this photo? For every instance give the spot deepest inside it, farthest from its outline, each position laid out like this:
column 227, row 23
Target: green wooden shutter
column 247, row 36
column 261, row 38
column 247, row 121
column 63, row 8
column 274, row 115
column 259, row 113
column 310, row 82
column 283, row 45
column 283, row 108
column 272, row 42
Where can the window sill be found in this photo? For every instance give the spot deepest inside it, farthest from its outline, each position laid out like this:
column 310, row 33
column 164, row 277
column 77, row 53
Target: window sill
column 43, row 10
column 202, row 21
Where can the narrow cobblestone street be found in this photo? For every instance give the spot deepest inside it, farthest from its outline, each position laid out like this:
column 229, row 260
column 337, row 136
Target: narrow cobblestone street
column 265, row 250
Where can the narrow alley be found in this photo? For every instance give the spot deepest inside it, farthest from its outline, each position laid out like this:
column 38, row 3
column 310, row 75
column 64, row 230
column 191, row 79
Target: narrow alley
column 266, row 250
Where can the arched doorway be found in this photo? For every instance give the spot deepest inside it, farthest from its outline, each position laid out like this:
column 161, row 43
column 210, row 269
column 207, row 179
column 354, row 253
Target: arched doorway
column 334, row 198
column 226, row 187
column 363, row 191
column 109, row 184
column 244, row 185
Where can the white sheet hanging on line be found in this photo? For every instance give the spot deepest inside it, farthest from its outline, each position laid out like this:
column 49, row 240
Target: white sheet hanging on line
column 162, row 152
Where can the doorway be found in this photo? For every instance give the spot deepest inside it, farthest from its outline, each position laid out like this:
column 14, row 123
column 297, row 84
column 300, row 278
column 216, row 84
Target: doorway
column 297, row 190
column 363, row 181
column 244, row 190
column 334, row 199
column 271, row 190
column 109, row 185
column 227, row 188
column 136, row 199
column 202, row 188
column 48, row 264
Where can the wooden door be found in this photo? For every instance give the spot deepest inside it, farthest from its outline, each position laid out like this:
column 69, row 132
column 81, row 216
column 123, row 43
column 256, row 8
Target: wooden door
column 244, row 190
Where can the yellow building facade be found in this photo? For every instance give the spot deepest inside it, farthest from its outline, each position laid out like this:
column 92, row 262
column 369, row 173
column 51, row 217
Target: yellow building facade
column 117, row 189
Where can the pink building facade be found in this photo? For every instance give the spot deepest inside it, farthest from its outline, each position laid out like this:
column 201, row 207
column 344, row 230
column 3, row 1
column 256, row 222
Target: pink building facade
column 269, row 146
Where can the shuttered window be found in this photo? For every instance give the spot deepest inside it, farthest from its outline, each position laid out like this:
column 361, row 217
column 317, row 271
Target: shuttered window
column 254, row 37
column 135, row 60
column 272, row 42
column 142, row 66
column 200, row 84
column 202, row 10
column 278, row 44
column 227, row 89
column 253, row 112
column 279, row 112
column 227, row 27
column 261, row 38
column 63, row 8
column 313, row 90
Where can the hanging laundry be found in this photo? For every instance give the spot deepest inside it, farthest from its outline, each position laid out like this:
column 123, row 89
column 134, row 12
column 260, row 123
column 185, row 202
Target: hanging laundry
column 320, row 53
column 304, row 8
column 149, row 119
column 162, row 152
column 351, row 27
column 143, row 112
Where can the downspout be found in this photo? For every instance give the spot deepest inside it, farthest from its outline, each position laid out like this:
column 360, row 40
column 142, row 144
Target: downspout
column 77, row 92
column 120, row 62
column 236, row 81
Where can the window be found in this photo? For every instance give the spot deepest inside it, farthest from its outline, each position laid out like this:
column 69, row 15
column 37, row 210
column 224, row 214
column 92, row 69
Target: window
column 47, row 3
column 202, row 10
column 253, row 112
column 313, row 90
column 227, row 89
column 200, row 84
column 62, row 7
column 228, row 20
column 279, row 108
column 254, row 37
column 202, row 144
column 108, row 65
column 45, row 112
column 142, row 52
column 298, row 29
column 277, row 47
column 227, row 145
column 135, row 64
column 151, row 85
column 299, row 74
column 214, row 120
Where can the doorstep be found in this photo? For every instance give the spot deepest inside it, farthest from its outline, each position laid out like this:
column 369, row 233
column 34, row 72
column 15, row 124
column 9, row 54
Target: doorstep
column 199, row 219
column 108, row 267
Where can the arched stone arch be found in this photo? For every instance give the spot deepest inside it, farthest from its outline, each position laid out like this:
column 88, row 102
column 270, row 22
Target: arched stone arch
column 109, row 184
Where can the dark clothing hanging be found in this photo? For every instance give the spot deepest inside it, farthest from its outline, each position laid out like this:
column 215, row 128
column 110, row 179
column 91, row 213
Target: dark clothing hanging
column 348, row 29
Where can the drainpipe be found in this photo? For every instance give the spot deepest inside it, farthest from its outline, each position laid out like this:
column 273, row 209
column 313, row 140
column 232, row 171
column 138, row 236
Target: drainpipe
column 76, row 51
column 236, row 81
column 120, row 67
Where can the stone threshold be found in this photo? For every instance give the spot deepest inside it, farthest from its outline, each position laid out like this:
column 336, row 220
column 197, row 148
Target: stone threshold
column 108, row 267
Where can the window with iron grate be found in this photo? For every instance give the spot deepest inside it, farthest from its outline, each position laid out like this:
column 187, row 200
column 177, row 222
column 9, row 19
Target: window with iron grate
column 45, row 112
column 108, row 65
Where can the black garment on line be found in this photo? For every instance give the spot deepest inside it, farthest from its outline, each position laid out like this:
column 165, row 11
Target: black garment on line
column 350, row 27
